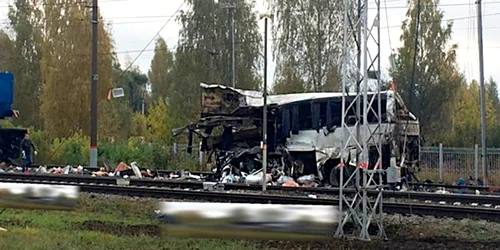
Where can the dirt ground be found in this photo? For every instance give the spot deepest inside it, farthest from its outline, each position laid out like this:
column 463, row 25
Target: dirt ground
column 420, row 244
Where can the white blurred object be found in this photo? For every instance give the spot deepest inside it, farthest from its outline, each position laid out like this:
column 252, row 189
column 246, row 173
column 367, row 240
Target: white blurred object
column 283, row 179
column 228, row 179
column 442, row 190
column 306, row 179
column 42, row 170
column 256, row 179
column 192, row 176
column 477, row 192
column 290, row 220
column 136, row 169
column 404, row 188
column 66, row 169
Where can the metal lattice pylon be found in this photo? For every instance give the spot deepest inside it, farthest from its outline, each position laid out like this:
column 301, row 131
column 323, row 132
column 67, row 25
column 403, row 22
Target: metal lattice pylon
column 358, row 138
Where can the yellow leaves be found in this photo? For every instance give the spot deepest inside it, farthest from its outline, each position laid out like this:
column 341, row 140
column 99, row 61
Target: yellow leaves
column 66, row 68
column 140, row 125
column 467, row 115
column 158, row 124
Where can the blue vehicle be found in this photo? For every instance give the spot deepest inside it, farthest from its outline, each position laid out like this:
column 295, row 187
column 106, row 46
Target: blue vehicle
column 10, row 138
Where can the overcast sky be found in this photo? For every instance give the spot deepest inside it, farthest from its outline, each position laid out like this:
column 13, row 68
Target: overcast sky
column 136, row 22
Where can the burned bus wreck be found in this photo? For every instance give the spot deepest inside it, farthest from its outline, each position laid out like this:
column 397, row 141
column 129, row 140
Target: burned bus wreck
column 304, row 135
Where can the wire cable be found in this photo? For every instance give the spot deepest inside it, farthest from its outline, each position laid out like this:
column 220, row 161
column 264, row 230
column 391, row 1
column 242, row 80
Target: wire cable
column 387, row 21
column 445, row 20
column 152, row 39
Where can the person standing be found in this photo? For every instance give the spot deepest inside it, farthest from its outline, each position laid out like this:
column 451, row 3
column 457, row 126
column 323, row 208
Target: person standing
column 26, row 146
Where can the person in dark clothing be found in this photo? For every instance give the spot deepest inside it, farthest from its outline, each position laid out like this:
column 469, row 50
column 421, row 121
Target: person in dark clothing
column 26, row 146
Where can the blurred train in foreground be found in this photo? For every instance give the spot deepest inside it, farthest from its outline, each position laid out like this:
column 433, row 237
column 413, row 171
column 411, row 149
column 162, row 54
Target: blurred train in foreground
column 248, row 221
column 10, row 138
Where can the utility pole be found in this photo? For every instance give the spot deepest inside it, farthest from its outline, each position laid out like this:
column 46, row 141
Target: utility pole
column 93, row 89
column 230, row 5
column 481, row 82
column 143, row 104
column 415, row 53
column 212, row 53
column 264, row 118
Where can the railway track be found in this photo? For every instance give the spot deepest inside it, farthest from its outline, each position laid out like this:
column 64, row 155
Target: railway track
column 163, row 172
column 457, row 212
column 413, row 184
column 458, row 200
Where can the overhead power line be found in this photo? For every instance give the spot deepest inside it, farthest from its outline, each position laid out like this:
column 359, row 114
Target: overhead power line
column 88, row 2
column 446, row 20
column 152, row 39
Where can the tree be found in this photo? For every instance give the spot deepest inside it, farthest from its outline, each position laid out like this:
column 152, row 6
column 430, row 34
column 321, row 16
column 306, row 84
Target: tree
column 158, row 123
column 134, row 83
column 494, row 132
column 116, row 120
column 159, row 72
column 437, row 78
column 289, row 82
column 309, row 34
column 25, row 61
column 492, row 91
column 185, row 94
column 66, row 67
column 140, row 125
column 467, row 117
column 203, row 54
column 6, row 52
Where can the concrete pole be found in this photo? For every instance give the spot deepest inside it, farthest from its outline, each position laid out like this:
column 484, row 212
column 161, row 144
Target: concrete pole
column 483, row 91
column 93, row 89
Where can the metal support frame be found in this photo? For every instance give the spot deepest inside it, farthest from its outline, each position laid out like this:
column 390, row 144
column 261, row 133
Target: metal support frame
column 360, row 210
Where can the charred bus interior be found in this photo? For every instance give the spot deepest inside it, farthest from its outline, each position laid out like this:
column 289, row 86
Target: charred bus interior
column 304, row 133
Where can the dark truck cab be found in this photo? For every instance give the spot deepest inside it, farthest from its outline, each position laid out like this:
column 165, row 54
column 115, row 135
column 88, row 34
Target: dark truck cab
column 10, row 141
column 10, row 138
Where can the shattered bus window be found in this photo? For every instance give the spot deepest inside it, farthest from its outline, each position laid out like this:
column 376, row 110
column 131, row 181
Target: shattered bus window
column 304, row 136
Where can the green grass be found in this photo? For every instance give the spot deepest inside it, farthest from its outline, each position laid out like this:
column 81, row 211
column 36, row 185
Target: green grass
column 97, row 224
column 239, row 234
column 110, row 223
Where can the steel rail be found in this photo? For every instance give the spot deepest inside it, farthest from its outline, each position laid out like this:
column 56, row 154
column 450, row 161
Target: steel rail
column 456, row 212
column 436, row 185
column 204, row 173
column 417, row 184
column 491, row 200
